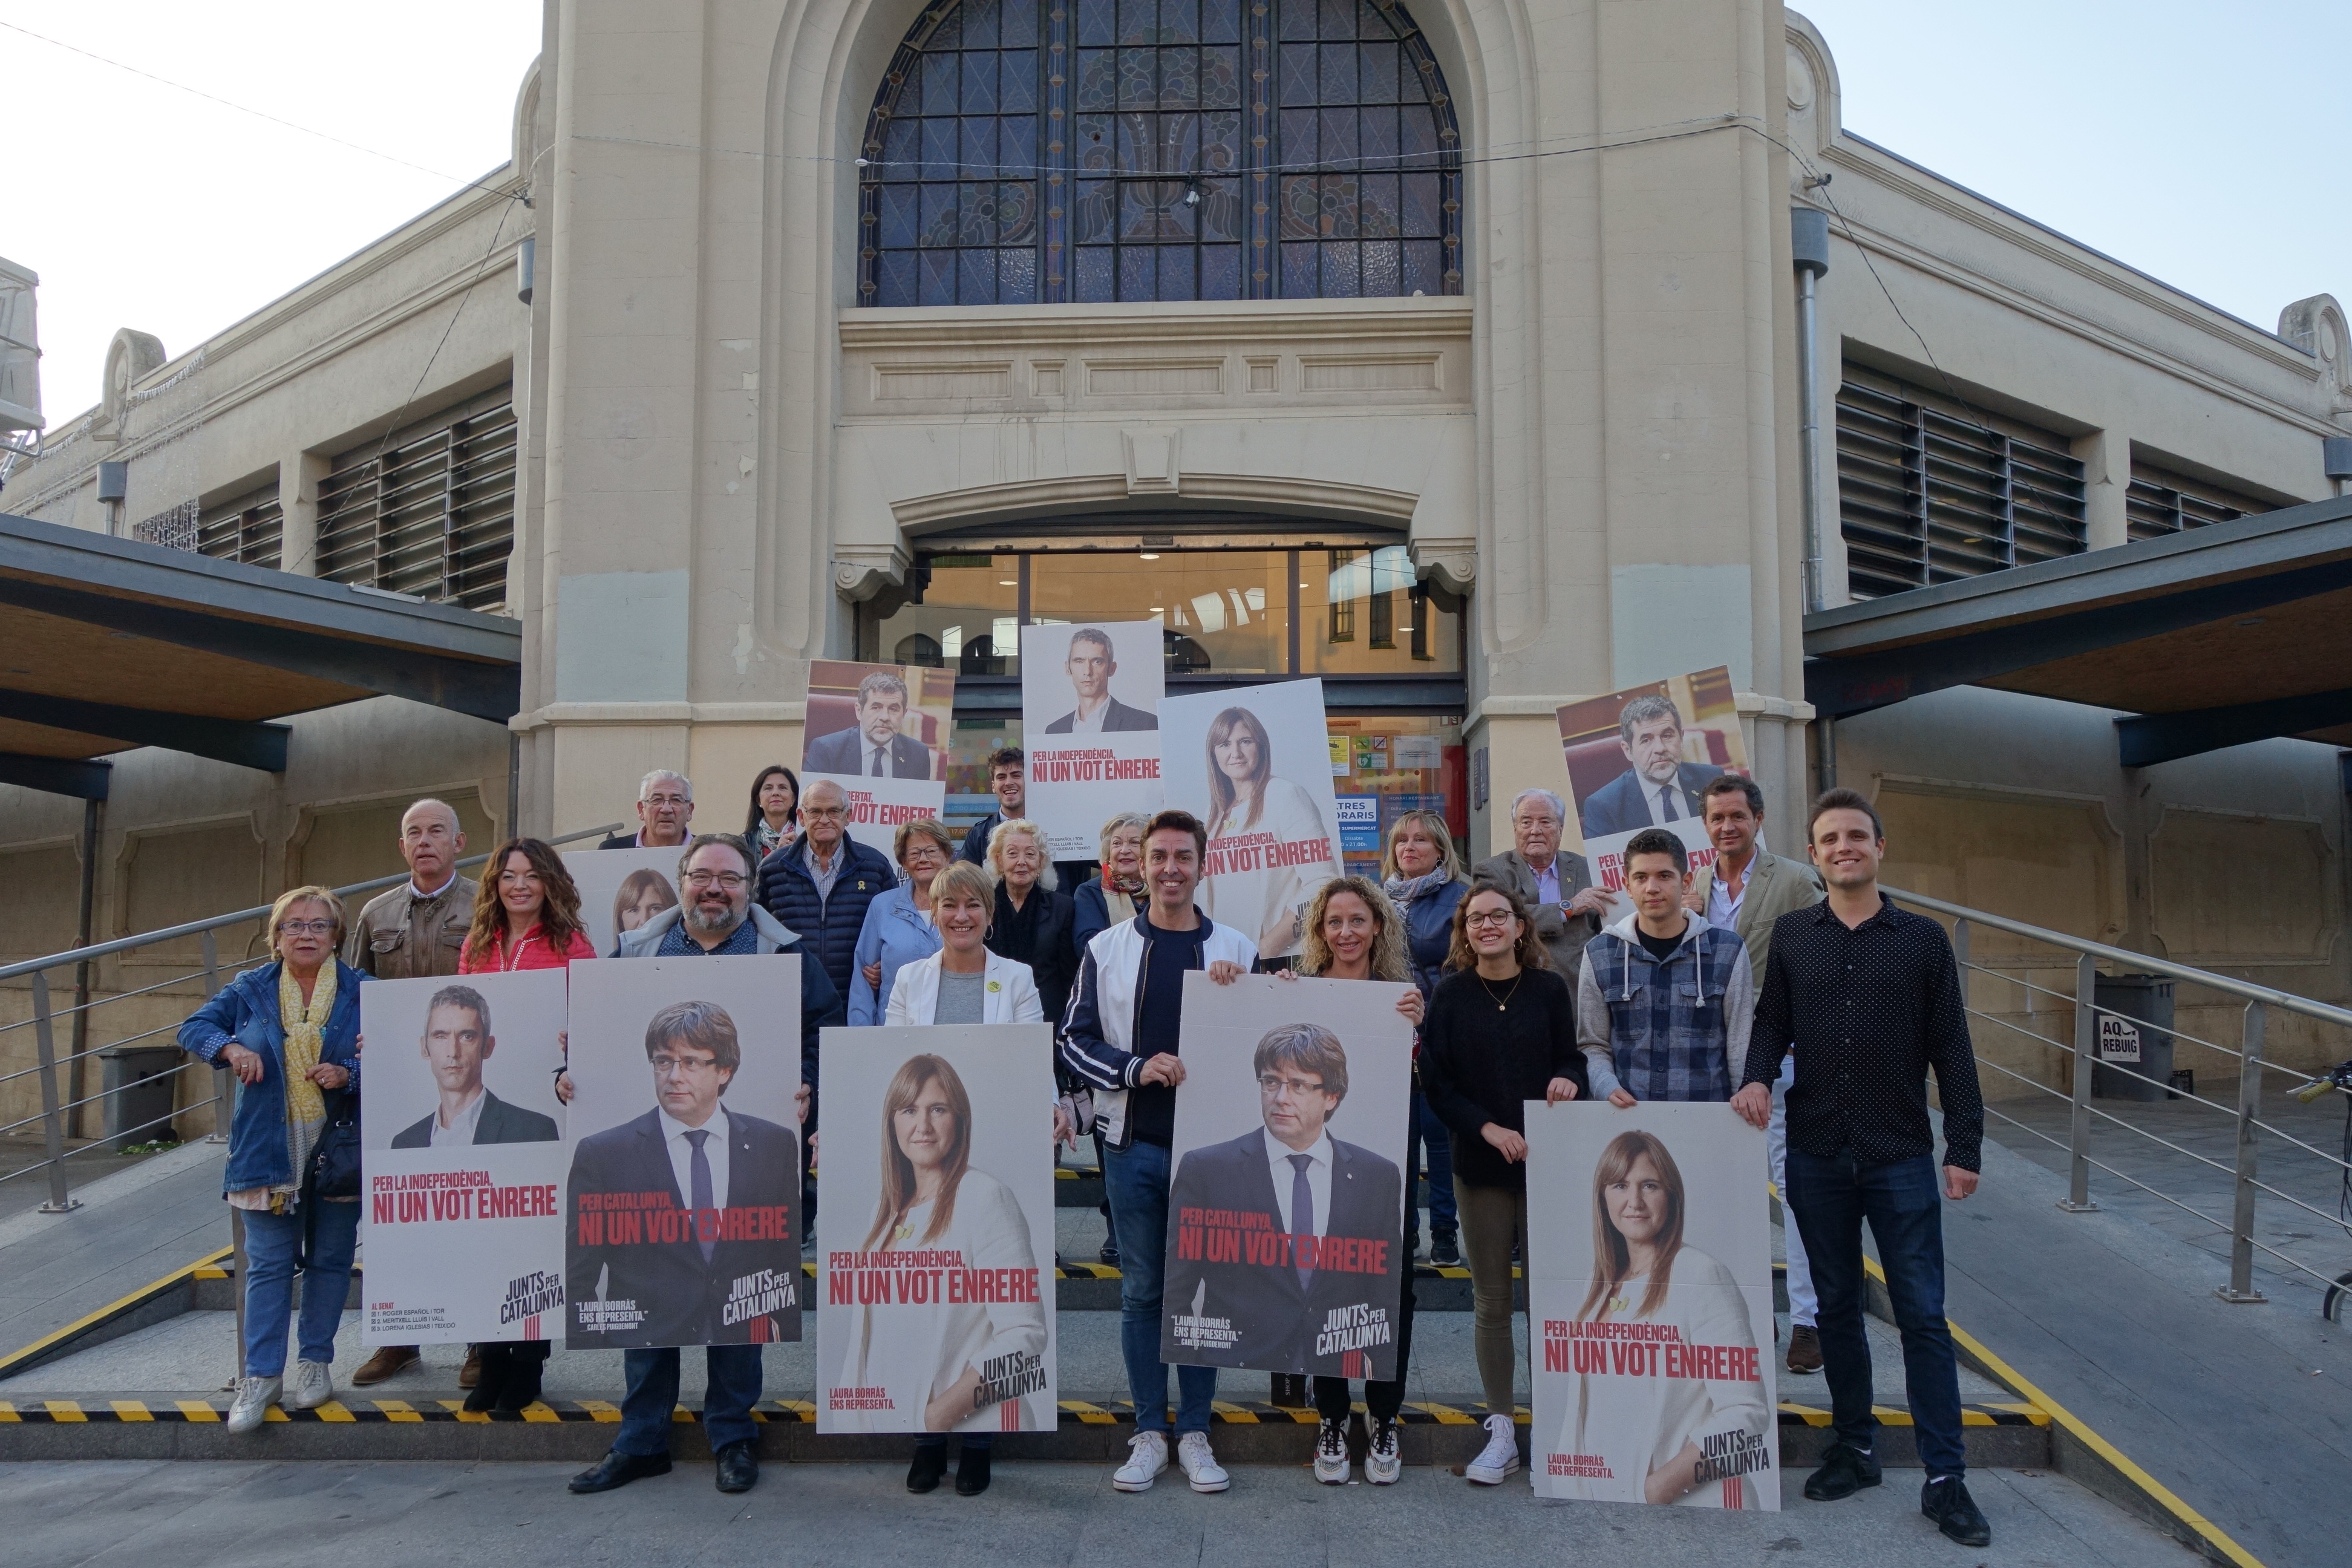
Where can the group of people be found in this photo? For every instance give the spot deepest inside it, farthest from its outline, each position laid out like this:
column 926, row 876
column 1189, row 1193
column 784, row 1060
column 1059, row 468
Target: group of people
column 1519, row 992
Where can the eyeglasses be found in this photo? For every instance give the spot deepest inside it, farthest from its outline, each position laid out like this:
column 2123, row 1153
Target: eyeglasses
column 726, row 881
column 1487, row 917
column 1275, row 1083
column 667, row 1066
column 822, row 813
column 664, row 800
column 306, row 928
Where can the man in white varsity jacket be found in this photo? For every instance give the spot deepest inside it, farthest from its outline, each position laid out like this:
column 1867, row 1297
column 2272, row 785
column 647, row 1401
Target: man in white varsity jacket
column 1121, row 1037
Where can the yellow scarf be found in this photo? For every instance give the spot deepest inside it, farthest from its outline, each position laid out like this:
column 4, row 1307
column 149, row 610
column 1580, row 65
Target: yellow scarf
column 305, row 1039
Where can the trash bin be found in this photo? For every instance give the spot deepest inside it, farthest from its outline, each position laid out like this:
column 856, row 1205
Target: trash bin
column 140, row 1089
column 2134, row 1024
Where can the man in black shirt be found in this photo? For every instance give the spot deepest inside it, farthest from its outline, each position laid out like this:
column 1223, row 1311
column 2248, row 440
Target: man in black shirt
column 1869, row 999
column 1121, row 1038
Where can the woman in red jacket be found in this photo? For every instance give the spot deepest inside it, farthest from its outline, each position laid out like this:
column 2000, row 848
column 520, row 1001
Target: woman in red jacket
column 527, row 915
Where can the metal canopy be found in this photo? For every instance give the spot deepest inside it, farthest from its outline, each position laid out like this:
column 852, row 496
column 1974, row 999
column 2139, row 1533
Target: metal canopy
column 2211, row 637
column 106, row 643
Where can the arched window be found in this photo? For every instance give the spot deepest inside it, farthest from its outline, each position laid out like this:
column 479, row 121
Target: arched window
column 1027, row 152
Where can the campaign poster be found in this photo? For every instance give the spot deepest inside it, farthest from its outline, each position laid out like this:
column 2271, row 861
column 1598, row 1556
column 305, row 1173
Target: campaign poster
column 682, row 1191
column 1650, row 1293
column 936, row 1233
column 621, row 889
column 881, row 732
column 1638, row 759
column 1250, row 762
column 1090, row 702
column 462, row 1156
column 1286, row 1211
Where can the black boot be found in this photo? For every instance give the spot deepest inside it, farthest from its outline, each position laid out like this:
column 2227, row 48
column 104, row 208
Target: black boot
column 484, row 1395
column 520, row 1379
column 971, row 1471
column 930, row 1464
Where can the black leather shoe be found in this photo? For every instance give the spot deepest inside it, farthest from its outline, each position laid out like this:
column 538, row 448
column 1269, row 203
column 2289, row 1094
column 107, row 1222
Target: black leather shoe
column 519, row 1386
column 738, row 1466
column 618, row 1470
column 1109, row 1254
column 971, row 1471
column 930, row 1464
column 1844, row 1472
column 1956, row 1513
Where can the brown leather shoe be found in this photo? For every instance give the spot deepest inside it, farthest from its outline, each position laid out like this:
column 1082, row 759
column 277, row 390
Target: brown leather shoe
column 470, row 1374
column 387, row 1361
column 1804, row 1350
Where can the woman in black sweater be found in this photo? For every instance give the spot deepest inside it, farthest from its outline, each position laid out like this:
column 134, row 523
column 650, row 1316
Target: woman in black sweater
column 1501, row 1030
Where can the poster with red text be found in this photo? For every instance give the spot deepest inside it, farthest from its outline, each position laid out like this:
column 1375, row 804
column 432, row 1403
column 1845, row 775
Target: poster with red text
column 1638, row 759
column 1090, row 702
column 882, row 732
column 682, row 1188
column 1286, row 1208
column 1650, row 1306
column 1253, row 764
column 462, row 1159
column 936, row 1311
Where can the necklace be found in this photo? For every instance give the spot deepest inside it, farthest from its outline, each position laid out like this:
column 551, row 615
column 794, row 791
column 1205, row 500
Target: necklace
column 1503, row 1003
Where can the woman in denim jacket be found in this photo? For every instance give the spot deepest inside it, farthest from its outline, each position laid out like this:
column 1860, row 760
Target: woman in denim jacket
column 291, row 1032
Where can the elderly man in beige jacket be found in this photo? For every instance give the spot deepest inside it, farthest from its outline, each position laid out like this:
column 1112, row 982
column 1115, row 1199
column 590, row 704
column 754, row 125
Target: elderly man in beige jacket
column 1749, row 889
column 1556, row 885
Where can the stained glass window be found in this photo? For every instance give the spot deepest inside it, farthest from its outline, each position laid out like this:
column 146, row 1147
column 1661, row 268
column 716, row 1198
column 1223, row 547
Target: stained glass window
column 1025, row 152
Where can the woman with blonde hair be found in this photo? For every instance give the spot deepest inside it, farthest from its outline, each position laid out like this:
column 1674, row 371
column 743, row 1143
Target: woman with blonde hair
column 1354, row 932
column 899, row 927
column 291, row 1032
column 1423, row 877
column 1654, row 1433
column 930, row 1357
column 1117, row 894
column 1032, row 920
column 1267, row 902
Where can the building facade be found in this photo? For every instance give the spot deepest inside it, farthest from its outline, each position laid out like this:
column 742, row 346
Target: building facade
column 1447, row 349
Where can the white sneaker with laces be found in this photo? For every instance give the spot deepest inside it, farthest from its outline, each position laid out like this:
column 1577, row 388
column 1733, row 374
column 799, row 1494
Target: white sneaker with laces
column 1331, row 1453
column 1147, row 1456
column 254, row 1398
column 1384, row 1461
column 314, row 1385
column 1500, row 1459
column 1200, row 1466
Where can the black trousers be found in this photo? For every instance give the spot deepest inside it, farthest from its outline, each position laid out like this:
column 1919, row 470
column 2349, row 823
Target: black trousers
column 1382, row 1399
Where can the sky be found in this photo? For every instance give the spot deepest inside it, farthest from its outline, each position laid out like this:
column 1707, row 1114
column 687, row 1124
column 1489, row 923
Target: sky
column 2194, row 142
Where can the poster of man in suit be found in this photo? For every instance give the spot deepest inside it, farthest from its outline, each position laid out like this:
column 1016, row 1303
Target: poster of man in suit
column 882, row 732
column 681, row 1201
column 1090, row 698
column 1638, row 759
column 462, row 1157
column 1286, row 1215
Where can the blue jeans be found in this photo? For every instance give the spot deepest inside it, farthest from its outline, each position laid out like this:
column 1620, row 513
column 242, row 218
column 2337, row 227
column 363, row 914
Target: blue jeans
column 273, row 1243
column 1904, row 1204
column 1422, row 1129
column 1137, row 1180
column 731, row 1388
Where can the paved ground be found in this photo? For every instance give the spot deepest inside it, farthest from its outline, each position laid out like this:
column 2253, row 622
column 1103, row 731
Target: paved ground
column 134, row 1226
column 2244, row 1411
column 2309, row 1240
column 262, row 1516
column 87, row 1160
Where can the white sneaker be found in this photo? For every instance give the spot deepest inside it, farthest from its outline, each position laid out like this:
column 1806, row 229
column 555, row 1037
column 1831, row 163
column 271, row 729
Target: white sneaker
column 1200, row 1466
column 254, row 1398
column 1331, row 1453
column 1384, row 1461
column 1500, row 1458
column 1147, row 1456
column 314, row 1385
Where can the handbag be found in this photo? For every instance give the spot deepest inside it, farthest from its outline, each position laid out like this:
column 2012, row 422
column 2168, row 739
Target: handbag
column 335, row 1159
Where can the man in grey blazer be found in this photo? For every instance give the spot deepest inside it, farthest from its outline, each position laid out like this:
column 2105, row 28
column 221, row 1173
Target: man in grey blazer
column 1748, row 889
column 1557, row 887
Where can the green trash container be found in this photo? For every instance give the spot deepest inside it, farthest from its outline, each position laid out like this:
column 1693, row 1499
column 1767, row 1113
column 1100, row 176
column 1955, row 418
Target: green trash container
column 2134, row 1024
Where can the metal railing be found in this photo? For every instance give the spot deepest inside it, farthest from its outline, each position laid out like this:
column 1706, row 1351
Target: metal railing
column 2244, row 1170
column 57, row 1112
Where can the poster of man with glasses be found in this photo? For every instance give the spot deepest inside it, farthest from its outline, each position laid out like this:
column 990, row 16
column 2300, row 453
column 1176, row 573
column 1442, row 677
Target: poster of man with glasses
column 681, row 1209
column 1286, row 1217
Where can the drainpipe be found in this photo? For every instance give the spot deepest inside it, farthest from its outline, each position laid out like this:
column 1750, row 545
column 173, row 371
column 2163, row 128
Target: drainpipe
column 1809, row 237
